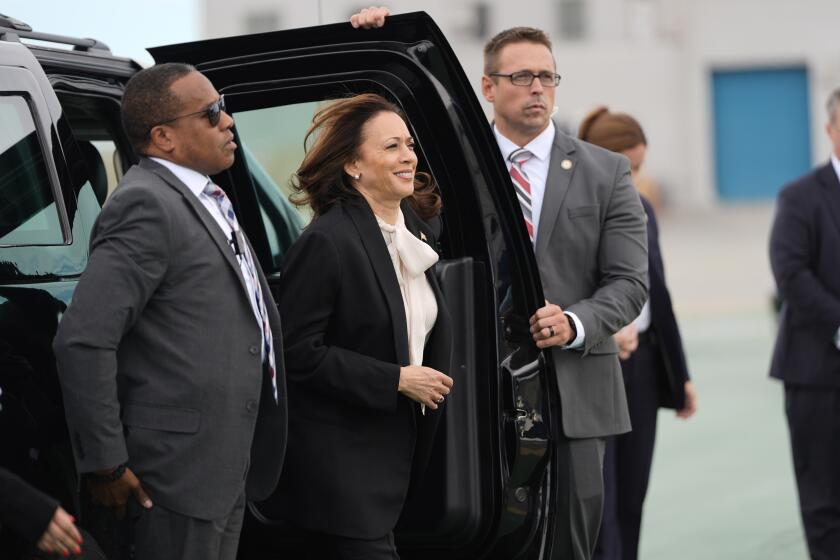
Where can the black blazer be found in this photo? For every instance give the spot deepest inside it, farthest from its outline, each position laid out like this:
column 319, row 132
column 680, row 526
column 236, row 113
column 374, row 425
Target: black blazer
column 805, row 258
column 23, row 508
column 354, row 442
column 673, row 371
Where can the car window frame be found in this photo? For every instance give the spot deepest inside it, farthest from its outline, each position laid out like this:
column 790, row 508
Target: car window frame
column 16, row 84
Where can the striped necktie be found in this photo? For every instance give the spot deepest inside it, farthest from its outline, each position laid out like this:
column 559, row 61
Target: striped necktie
column 522, row 185
column 218, row 195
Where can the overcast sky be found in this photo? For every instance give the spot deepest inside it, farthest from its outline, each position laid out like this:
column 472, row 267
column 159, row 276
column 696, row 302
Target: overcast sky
column 128, row 27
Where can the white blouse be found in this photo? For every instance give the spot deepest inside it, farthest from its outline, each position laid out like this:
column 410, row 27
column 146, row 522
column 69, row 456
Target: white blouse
column 411, row 258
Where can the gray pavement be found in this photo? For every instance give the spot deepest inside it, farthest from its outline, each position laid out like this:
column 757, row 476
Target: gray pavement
column 722, row 485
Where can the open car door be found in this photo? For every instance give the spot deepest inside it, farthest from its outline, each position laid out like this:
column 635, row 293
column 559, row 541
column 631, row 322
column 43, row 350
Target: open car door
column 488, row 492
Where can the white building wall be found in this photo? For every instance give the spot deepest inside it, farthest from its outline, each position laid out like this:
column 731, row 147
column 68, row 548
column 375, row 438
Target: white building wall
column 720, row 34
column 651, row 58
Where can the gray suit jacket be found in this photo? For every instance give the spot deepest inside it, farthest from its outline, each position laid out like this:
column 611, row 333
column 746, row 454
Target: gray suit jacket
column 591, row 249
column 159, row 354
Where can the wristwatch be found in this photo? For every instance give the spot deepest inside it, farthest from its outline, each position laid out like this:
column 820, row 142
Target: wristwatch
column 112, row 476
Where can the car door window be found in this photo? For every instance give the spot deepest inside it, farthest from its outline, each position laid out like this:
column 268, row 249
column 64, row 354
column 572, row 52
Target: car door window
column 273, row 148
column 486, row 490
column 28, row 214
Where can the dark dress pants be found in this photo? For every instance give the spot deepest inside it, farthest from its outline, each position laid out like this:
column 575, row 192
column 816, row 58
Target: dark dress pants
column 311, row 545
column 580, row 490
column 162, row 534
column 813, row 415
column 628, row 459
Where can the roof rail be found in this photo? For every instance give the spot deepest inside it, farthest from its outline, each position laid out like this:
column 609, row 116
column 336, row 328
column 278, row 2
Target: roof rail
column 7, row 21
column 12, row 29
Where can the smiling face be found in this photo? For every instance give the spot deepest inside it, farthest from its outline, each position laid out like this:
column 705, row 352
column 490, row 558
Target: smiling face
column 521, row 112
column 192, row 141
column 385, row 162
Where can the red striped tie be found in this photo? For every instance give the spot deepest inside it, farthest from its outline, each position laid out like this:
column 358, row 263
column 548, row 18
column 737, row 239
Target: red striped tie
column 522, row 185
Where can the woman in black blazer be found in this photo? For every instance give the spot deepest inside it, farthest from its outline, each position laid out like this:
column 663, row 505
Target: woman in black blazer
column 33, row 515
column 652, row 361
column 366, row 332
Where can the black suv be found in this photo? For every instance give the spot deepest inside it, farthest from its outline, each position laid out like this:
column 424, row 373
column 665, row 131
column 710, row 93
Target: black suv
column 62, row 150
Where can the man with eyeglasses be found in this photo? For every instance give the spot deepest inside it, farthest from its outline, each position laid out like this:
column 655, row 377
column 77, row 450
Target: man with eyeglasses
column 170, row 356
column 587, row 226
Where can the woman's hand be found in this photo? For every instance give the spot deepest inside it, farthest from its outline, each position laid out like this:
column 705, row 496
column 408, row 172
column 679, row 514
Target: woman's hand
column 690, row 402
column 424, row 385
column 61, row 536
column 627, row 340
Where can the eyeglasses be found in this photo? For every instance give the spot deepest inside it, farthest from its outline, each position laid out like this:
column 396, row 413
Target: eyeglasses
column 213, row 112
column 525, row 78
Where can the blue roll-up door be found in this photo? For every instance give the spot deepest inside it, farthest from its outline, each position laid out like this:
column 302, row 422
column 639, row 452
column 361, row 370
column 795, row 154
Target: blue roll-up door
column 762, row 130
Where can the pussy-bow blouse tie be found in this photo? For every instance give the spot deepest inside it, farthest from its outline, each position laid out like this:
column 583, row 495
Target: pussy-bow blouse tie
column 416, row 255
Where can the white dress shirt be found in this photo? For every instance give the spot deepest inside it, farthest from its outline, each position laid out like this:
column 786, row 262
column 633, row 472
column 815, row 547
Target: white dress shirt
column 196, row 182
column 835, row 162
column 537, row 170
column 536, row 167
column 411, row 258
column 642, row 322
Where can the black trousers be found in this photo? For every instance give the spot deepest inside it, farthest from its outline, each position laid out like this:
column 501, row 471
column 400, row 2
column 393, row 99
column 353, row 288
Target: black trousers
column 813, row 416
column 628, row 459
column 162, row 534
column 311, row 545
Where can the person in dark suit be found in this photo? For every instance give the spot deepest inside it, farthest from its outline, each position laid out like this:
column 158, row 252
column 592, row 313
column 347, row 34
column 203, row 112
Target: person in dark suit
column 37, row 517
column 652, row 362
column 367, row 335
column 805, row 258
column 170, row 355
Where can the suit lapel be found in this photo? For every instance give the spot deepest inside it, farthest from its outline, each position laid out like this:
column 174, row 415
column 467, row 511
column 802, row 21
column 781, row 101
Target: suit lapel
column 831, row 190
column 438, row 346
column 201, row 212
column 557, row 183
column 380, row 260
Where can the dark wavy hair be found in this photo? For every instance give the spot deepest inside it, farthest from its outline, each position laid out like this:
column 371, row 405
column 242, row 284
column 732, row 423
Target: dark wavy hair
column 337, row 129
column 614, row 131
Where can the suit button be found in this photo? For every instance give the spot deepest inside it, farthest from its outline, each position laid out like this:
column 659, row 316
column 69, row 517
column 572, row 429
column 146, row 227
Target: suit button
column 254, row 349
column 251, row 406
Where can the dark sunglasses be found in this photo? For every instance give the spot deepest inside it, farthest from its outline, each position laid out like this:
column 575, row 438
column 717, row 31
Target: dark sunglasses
column 213, row 112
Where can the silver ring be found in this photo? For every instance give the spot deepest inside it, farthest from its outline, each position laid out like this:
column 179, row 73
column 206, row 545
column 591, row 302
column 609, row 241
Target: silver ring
column 551, row 330
column 441, row 399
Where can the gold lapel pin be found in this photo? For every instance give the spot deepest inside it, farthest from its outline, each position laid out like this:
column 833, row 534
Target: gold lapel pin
column 566, row 164
column 422, row 236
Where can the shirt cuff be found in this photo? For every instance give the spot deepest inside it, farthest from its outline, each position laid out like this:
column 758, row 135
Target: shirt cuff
column 837, row 339
column 578, row 341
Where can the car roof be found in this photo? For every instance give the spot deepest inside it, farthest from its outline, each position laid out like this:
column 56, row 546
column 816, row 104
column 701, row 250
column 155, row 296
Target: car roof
column 84, row 56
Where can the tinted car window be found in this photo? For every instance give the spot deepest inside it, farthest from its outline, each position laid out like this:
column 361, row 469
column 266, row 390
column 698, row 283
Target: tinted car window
column 28, row 215
column 274, row 149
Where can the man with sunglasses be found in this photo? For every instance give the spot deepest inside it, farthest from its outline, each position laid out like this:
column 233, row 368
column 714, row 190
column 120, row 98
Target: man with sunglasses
column 588, row 230
column 170, row 355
